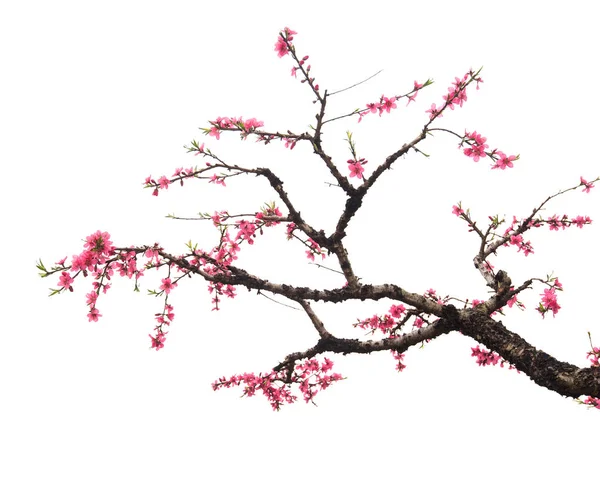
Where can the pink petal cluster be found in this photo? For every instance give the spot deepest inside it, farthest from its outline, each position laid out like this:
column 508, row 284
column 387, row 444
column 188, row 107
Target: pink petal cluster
column 385, row 104
column 383, row 323
column 587, row 185
column 65, row 280
column 548, row 302
column 503, row 161
column 457, row 94
column 594, row 356
column 283, row 40
column 457, row 210
column 220, row 124
column 314, row 249
column 400, row 366
column 167, row 285
column 269, row 211
column 310, row 377
column 592, row 401
column 476, row 143
column 158, row 340
column 485, row 357
column 290, row 230
column 524, row 246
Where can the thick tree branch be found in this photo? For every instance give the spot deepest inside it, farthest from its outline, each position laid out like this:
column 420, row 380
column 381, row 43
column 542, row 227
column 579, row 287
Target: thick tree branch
column 561, row 377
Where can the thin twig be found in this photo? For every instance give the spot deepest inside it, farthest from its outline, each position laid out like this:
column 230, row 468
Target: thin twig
column 357, row 84
column 326, row 268
column 277, row 302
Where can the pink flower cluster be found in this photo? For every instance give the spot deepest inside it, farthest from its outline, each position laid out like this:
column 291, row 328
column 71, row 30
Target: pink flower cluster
column 233, row 124
column 549, row 302
column 524, row 246
column 486, row 357
column 476, row 149
column 386, row 104
column 390, row 323
column 587, row 185
column 164, row 318
column 314, row 249
column 457, row 94
column 283, row 46
column 101, row 259
column 400, row 366
column 163, row 182
column 284, row 42
column 553, row 222
column 310, row 376
column 594, row 356
column 476, row 144
column 98, row 248
column 592, row 401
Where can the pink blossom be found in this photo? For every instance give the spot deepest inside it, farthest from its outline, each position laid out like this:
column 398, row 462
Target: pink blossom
column 314, row 249
column 514, row 301
column 65, row 280
column 516, row 239
column 433, row 112
column 549, row 302
column 413, row 96
column 399, row 357
column 247, row 231
column 588, row 185
column 373, row 107
column 158, row 341
column 217, row 180
column 485, row 357
column 554, row 223
column 167, row 285
column 387, row 104
column 476, row 142
column 397, row 310
column 94, row 314
column 251, row 124
column 214, row 131
column 99, row 242
column 91, row 297
column 356, row 168
column 593, row 401
column 504, row 161
column 163, row 182
column 457, row 211
column 290, row 229
column 327, row 365
column 280, row 46
column 580, row 221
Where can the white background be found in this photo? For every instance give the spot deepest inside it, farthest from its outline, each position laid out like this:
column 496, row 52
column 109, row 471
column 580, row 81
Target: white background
column 95, row 96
